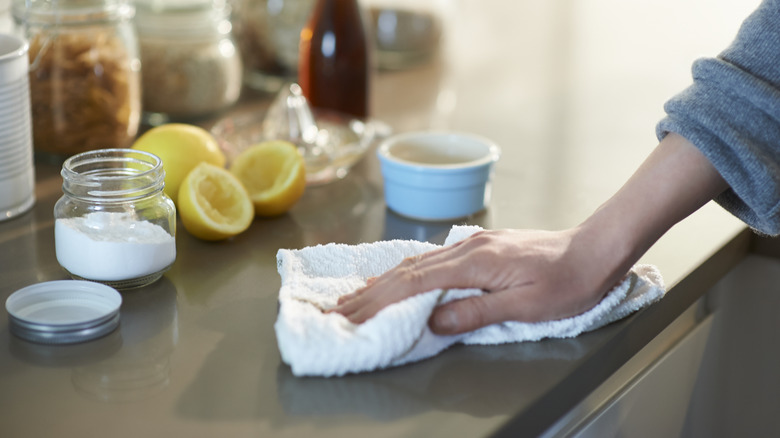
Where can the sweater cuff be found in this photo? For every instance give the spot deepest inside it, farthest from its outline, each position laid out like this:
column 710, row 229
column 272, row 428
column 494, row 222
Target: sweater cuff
column 733, row 117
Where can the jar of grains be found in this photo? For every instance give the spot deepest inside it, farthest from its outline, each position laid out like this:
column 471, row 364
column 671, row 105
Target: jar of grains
column 191, row 68
column 85, row 86
column 113, row 223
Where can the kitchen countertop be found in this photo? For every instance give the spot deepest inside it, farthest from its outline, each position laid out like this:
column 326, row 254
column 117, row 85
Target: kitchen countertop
column 571, row 91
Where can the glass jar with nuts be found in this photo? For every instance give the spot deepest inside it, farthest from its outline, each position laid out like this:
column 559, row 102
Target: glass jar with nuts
column 85, row 85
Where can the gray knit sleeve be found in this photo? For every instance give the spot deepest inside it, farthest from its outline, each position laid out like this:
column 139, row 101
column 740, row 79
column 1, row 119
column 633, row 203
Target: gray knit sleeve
column 731, row 112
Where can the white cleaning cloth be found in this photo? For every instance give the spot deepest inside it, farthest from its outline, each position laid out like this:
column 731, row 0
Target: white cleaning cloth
column 315, row 343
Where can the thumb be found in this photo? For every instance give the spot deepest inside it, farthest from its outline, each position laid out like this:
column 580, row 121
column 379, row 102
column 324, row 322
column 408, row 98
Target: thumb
column 466, row 315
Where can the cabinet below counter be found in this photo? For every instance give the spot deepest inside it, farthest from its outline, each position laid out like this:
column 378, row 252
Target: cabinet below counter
column 711, row 373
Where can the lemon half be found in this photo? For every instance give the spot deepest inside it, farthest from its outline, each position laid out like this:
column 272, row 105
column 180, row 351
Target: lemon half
column 213, row 204
column 273, row 173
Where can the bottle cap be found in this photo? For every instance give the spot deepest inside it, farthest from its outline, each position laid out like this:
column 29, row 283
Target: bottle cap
column 63, row 311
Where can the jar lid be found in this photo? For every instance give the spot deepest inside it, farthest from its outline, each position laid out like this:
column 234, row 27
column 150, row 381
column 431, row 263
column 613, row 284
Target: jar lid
column 182, row 18
column 65, row 12
column 63, row 311
column 166, row 5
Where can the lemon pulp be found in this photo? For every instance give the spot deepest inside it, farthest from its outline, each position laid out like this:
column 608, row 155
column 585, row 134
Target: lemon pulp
column 213, row 204
column 273, row 173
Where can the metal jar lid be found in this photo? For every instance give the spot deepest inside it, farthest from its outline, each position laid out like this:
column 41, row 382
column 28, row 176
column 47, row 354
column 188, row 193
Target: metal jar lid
column 63, row 311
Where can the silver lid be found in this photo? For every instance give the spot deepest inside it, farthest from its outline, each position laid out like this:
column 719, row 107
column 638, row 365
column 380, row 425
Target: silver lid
column 63, row 311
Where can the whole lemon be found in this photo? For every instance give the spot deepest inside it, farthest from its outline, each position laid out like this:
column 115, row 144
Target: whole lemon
column 181, row 147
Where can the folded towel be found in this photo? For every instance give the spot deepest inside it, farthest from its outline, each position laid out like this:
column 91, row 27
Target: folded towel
column 315, row 343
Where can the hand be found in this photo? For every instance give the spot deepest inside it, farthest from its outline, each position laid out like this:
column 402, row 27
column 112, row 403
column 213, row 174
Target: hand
column 529, row 276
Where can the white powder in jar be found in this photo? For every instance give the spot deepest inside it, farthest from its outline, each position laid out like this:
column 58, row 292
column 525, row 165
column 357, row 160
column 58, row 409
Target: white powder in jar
column 108, row 246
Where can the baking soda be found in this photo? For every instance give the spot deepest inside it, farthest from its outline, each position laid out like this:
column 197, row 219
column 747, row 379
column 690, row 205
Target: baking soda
column 106, row 246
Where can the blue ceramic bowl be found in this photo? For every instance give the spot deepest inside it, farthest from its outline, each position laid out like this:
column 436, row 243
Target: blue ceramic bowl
column 437, row 175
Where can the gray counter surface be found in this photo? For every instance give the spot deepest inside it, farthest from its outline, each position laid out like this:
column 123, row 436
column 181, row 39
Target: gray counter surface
column 571, row 92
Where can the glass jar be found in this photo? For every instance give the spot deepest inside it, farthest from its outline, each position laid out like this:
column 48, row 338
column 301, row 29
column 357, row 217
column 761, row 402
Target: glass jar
column 406, row 33
column 113, row 223
column 84, row 74
column 268, row 34
column 191, row 67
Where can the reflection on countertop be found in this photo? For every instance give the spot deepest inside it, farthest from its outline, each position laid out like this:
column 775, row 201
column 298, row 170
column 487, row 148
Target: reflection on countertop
column 141, row 367
column 454, row 382
column 129, row 364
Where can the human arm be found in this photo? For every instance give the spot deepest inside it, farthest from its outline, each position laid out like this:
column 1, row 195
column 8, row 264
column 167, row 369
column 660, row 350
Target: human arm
column 539, row 275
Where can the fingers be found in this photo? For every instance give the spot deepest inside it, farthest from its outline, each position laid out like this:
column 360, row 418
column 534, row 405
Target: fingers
column 414, row 275
column 344, row 298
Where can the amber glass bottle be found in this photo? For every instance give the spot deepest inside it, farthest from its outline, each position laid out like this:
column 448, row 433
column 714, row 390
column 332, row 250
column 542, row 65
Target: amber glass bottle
column 334, row 68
